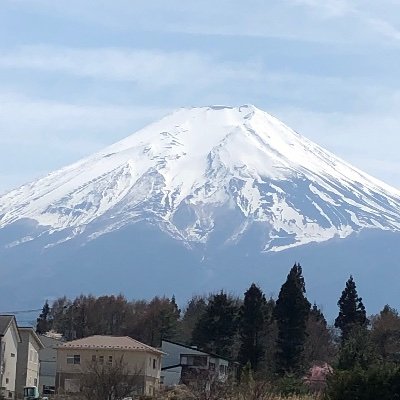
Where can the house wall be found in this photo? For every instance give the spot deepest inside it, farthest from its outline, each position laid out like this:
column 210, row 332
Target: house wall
column 171, row 377
column 173, row 353
column 10, row 347
column 48, row 361
column 221, row 369
column 22, row 362
column 27, row 362
column 141, row 363
column 172, row 357
column 32, row 376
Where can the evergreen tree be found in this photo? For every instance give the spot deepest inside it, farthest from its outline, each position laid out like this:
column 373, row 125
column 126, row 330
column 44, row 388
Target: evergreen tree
column 252, row 327
column 161, row 320
column 319, row 346
column 43, row 323
column 351, row 310
column 357, row 351
column 291, row 313
column 60, row 316
column 192, row 313
column 169, row 318
column 317, row 315
column 217, row 328
column 385, row 334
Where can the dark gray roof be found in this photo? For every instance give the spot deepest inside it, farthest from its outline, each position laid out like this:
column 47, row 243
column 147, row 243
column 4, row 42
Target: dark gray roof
column 49, row 342
column 5, row 321
column 28, row 330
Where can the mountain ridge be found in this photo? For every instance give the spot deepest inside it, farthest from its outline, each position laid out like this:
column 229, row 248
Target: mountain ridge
column 183, row 172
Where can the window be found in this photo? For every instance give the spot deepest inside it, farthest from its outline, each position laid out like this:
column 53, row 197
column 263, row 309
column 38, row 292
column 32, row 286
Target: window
column 154, row 363
column 223, row 369
column 75, row 359
column 35, row 382
column 192, row 360
column 7, row 380
column 101, row 359
column 212, row 366
column 109, row 360
column 12, row 354
column 93, row 358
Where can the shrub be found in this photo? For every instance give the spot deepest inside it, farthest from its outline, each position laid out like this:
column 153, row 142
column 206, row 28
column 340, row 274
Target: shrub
column 381, row 383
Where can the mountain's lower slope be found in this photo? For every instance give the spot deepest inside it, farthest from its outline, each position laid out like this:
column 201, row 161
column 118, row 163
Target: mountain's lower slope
column 140, row 261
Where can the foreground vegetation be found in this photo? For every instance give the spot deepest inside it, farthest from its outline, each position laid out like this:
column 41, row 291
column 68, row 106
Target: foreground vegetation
column 284, row 344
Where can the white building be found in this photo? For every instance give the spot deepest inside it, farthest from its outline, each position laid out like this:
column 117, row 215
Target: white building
column 9, row 340
column 28, row 365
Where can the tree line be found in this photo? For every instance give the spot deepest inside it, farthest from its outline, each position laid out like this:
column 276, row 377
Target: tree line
column 277, row 338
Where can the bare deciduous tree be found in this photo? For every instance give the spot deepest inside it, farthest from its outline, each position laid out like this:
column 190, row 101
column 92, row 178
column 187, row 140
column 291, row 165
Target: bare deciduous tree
column 110, row 382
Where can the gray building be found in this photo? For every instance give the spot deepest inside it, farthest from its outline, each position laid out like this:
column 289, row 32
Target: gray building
column 183, row 364
column 48, row 363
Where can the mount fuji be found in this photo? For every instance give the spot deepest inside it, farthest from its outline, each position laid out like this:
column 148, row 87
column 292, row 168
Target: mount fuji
column 205, row 198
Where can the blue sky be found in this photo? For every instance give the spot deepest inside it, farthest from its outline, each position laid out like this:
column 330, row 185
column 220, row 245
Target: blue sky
column 77, row 75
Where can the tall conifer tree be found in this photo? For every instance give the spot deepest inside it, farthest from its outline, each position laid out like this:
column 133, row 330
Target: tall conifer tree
column 216, row 329
column 291, row 313
column 319, row 346
column 43, row 323
column 252, row 327
column 351, row 310
column 193, row 312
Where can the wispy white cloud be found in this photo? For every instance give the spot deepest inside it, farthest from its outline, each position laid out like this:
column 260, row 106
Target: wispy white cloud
column 365, row 21
column 385, row 28
column 329, row 8
column 197, row 77
column 372, row 18
column 38, row 136
column 144, row 67
column 29, row 120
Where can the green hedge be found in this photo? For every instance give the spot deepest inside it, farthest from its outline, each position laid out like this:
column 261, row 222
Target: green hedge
column 378, row 383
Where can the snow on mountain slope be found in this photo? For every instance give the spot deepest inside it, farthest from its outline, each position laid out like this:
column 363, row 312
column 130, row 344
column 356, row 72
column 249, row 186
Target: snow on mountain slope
column 183, row 172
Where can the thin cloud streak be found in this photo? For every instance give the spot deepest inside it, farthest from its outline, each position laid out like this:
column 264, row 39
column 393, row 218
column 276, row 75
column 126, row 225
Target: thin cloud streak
column 148, row 68
column 30, row 120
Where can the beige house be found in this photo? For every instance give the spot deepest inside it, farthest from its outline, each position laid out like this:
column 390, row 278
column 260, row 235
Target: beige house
column 76, row 357
column 28, row 365
column 9, row 340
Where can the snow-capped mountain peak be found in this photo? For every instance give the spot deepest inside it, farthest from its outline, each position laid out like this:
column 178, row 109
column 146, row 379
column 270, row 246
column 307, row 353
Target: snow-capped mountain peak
column 200, row 168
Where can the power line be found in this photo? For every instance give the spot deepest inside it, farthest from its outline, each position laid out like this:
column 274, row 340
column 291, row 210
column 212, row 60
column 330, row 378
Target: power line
column 20, row 311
